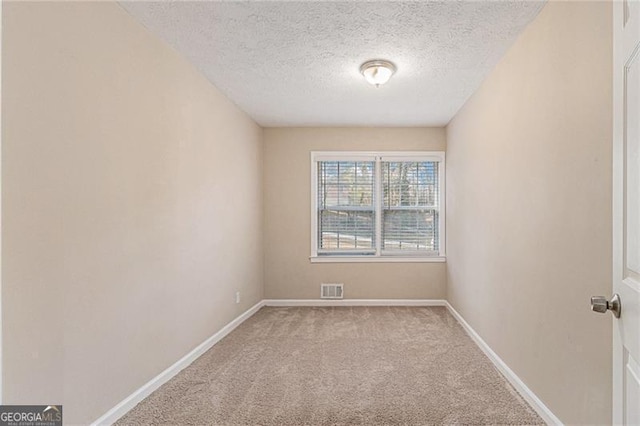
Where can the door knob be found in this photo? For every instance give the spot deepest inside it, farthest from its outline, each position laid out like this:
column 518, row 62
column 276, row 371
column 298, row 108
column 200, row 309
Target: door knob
column 601, row 304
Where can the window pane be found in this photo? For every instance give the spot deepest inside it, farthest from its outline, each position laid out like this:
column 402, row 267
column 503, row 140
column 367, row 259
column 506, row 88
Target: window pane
column 410, row 206
column 346, row 229
column 345, row 183
column 346, row 218
column 410, row 230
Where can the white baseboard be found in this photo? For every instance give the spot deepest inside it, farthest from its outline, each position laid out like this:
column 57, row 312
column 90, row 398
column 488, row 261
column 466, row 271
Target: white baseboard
column 354, row 302
column 136, row 397
column 535, row 402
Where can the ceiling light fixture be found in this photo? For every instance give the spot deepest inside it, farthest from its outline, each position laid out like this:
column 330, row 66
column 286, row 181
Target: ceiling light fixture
column 377, row 71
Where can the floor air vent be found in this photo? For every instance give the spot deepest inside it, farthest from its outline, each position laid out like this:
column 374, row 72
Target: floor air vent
column 331, row 291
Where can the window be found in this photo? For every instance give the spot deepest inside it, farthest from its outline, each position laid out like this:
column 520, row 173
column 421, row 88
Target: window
column 385, row 206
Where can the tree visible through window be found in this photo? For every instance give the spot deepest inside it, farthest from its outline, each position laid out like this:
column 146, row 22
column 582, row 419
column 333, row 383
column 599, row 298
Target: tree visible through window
column 377, row 204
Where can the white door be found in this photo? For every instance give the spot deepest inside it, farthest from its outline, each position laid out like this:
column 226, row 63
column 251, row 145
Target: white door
column 626, row 210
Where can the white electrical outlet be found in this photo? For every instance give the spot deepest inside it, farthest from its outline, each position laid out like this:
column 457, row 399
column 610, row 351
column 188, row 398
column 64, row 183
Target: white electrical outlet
column 237, row 297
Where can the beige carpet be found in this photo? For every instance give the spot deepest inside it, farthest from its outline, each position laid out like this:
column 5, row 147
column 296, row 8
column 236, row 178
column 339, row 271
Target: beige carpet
column 339, row 366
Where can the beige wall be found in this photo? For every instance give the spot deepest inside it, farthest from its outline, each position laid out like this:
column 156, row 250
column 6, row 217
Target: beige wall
column 287, row 222
column 529, row 209
column 132, row 207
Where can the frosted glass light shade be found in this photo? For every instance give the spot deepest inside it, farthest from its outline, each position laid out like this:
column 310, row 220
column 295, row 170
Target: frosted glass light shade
column 378, row 71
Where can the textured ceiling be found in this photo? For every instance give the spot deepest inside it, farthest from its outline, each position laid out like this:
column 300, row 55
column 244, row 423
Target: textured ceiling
column 296, row 63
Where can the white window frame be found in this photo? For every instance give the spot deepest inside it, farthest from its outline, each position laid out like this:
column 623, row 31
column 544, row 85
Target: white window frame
column 378, row 157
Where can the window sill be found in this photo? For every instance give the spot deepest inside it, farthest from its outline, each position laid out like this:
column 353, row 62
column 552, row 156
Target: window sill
column 376, row 259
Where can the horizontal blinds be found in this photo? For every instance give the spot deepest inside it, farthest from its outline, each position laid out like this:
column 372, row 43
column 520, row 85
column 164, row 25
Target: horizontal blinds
column 346, row 212
column 410, row 206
